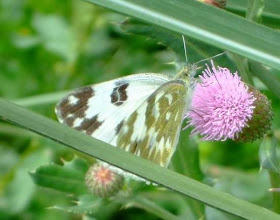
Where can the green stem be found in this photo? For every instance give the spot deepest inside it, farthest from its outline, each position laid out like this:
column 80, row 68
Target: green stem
column 255, row 10
column 44, row 99
column 275, row 183
column 266, row 77
column 254, row 13
column 186, row 162
column 243, row 68
column 149, row 206
column 83, row 25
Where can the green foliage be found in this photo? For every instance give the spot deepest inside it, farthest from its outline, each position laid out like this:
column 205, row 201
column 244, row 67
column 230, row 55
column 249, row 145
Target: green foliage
column 48, row 47
column 69, row 178
column 86, row 204
column 268, row 156
column 196, row 50
column 179, row 16
column 129, row 162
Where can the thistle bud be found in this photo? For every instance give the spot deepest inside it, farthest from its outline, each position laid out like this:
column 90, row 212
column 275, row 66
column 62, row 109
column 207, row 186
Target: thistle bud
column 102, row 181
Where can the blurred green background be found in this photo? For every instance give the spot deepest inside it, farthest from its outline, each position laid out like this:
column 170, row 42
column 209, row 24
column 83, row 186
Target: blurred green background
column 50, row 46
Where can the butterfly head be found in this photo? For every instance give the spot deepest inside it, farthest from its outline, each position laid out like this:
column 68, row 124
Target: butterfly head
column 187, row 72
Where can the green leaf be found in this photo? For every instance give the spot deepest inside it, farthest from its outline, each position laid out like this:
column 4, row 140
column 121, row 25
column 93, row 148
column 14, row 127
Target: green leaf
column 60, row 40
column 91, row 206
column 141, row 202
column 186, row 162
column 19, row 190
column 86, row 204
column 24, row 42
column 208, row 24
column 275, row 183
column 267, row 154
column 8, row 159
column 78, row 164
column 42, row 99
column 266, row 77
column 196, row 50
column 255, row 10
column 270, row 14
column 68, row 178
column 139, row 166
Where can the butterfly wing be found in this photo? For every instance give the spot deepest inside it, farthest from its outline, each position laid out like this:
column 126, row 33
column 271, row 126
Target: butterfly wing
column 99, row 110
column 153, row 130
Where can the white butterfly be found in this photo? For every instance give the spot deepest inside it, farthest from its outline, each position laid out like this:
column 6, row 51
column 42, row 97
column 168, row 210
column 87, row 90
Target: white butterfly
column 140, row 113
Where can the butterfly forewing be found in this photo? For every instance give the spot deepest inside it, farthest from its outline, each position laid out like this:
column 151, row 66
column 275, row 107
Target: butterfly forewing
column 100, row 110
column 153, row 129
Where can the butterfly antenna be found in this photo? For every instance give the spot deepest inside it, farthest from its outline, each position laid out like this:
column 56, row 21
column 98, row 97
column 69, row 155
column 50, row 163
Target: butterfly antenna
column 211, row 57
column 185, row 47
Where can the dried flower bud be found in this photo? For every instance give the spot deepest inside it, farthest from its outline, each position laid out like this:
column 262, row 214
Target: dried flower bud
column 217, row 3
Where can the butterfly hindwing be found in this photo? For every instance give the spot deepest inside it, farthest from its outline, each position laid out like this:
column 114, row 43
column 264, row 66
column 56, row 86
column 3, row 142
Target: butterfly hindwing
column 152, row 130
column 99, row 110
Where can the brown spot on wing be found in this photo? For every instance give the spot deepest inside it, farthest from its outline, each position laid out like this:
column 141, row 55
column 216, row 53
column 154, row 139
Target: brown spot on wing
column 124, row 142
column 119, row 94
column 90, row 125
column 163, row 128
column 119, row 126
column 168, row 99
column 133, row 147
column 78, row 109
column 69, row 121
column 150, row 118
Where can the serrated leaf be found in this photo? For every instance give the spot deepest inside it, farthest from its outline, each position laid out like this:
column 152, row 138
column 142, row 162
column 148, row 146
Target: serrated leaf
column 68, row 178
column 267, row 154
column 78, row 164
column 93, row 207
column 86, row 204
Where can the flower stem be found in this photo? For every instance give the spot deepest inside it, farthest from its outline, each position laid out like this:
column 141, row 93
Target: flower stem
column 242, row 66
column 186, row 162
column 275, row 183
column 253, row 13
column 266, row 76
column 43, row 99
column 255, row 10
column 149, row 206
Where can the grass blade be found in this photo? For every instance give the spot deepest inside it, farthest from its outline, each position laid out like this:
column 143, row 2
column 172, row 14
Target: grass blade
column 81, row 142
column 204, row 22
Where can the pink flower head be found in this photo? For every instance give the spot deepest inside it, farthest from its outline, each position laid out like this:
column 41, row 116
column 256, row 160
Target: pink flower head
column 221, row 105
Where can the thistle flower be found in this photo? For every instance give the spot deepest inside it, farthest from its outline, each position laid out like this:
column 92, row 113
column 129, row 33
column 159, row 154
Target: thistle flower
column 102, row 181
column 221, row 105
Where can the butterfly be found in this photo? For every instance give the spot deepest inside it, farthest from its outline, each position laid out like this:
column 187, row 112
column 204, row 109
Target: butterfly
column 140, row 113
